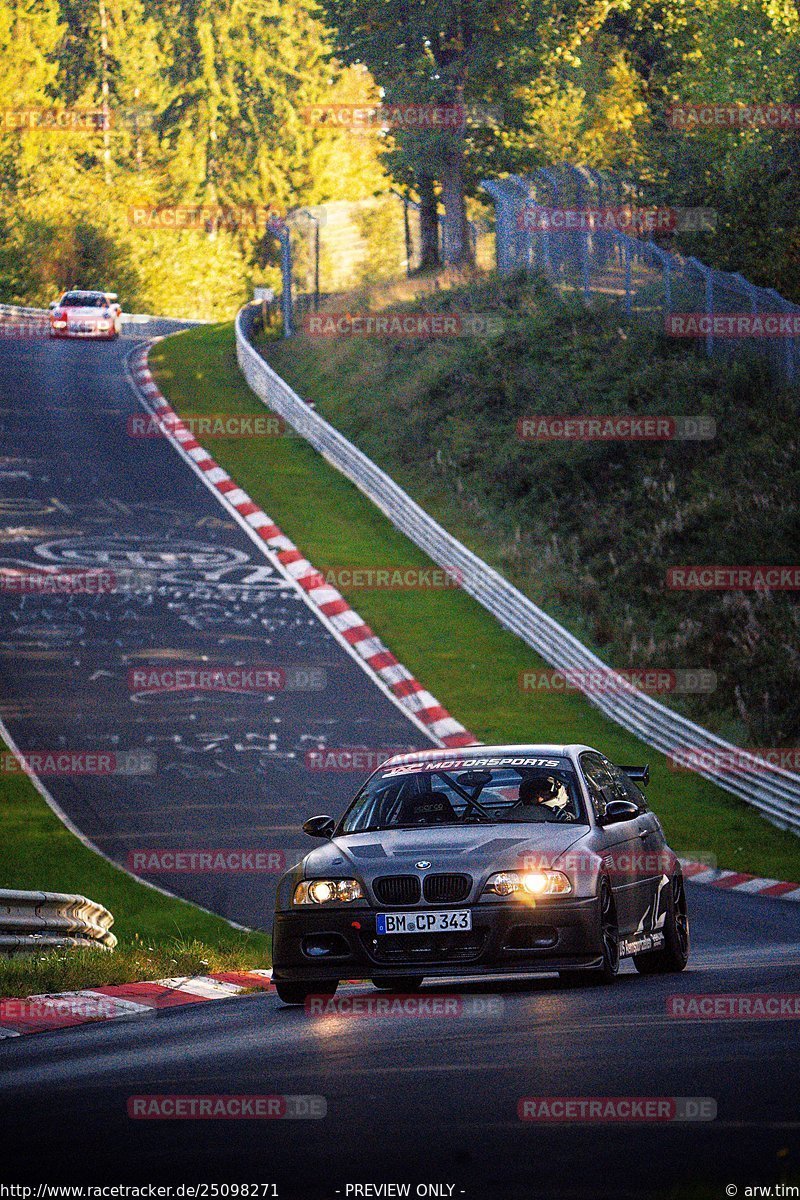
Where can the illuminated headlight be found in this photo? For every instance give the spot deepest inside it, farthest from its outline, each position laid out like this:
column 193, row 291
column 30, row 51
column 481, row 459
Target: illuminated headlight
column 327, row 891
column 60, row 323
column 528, row 883
column 103, row 324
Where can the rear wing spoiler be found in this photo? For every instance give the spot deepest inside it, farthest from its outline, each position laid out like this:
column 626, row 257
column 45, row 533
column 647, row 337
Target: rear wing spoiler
column 638, row 774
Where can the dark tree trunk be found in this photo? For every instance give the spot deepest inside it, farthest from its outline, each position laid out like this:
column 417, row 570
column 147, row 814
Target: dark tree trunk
column 428, row 223
column 457, row 242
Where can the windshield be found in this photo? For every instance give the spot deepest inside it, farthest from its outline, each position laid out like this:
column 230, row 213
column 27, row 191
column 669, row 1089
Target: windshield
column 406, row 797
column 84, row 300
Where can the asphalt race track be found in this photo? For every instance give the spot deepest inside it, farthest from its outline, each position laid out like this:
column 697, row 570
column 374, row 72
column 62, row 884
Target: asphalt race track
column 417, row 1099
column 212, row 769
column 434, row 1099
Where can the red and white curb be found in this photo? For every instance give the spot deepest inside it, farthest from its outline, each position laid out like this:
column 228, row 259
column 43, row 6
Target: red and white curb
column 739, row 881
column 357, row 636
column 62, row 1010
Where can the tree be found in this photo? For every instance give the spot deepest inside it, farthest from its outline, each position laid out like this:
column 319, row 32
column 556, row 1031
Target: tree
column 464, row 54
column 723, row 52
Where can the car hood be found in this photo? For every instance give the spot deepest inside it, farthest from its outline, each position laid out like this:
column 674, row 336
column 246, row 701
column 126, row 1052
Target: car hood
column 472, row 848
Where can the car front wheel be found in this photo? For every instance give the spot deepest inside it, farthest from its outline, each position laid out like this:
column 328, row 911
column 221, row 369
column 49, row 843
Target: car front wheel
column 609, row 944
column 298, row 993
column 674, row 954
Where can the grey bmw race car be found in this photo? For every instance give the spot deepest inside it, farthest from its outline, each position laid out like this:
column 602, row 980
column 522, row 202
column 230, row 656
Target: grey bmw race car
column 493, row 860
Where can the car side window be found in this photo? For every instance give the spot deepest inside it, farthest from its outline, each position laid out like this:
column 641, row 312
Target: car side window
column 598, row 781
column 626, row 788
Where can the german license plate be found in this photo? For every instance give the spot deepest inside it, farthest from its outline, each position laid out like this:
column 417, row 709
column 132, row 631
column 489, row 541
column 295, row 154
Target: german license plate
column 458, row 921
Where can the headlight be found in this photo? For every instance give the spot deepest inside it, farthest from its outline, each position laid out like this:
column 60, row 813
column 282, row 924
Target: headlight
column 327, row 891
column 103, row 324
column 528, row 883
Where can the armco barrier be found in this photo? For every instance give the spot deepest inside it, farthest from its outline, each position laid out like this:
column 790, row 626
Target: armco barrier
column 774, row 791
column 45, row 920
column 17, row 312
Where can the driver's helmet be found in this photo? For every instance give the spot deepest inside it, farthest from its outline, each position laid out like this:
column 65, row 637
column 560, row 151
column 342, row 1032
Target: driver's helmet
column 538, row 790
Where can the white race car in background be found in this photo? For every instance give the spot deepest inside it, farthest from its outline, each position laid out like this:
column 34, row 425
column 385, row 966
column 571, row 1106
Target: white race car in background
column 86, row 314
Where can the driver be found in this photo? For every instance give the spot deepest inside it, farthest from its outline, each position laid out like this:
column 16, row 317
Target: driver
column 546, row 792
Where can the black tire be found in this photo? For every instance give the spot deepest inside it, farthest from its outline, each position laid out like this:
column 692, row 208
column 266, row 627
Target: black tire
column 674, row 954
column 609, row 940
column 401, row 983
column 298, row 993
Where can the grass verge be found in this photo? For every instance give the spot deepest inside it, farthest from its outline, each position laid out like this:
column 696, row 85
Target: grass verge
column 453, row 645
column 589, row 528
column 72, row 970
column 158, row 934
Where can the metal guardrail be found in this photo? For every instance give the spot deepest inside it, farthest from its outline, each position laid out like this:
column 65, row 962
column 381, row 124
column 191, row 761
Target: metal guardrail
column 17, row 310
column 19, row 313
column 23, row 322
column 47, row 920
column 774, row 791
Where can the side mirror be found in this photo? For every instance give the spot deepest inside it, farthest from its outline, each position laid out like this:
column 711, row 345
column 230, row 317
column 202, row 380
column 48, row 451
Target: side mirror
column 321, row 827
column 53, row 304
column 620, row 810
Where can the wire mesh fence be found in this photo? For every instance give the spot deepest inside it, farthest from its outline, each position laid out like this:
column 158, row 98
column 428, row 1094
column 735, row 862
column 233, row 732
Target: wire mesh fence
column 569, row 222
column 343, row 245
column 331, row 249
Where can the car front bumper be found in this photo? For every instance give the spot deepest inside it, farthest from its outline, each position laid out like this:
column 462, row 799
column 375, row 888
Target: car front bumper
column 505, row 938
column 93, row 332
